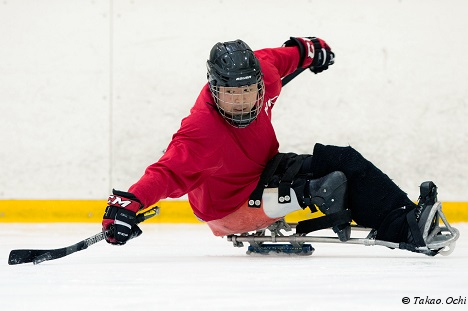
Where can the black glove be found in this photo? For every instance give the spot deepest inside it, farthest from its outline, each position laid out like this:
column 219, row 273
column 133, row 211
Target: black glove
column 120, row 218
column 316, row 50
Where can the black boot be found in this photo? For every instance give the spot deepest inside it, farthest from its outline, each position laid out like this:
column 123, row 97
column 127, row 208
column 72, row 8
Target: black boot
column 427, row 196
column 422, row 221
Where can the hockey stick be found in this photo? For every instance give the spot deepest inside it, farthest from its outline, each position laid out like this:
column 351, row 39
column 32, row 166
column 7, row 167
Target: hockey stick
column 36, row 256
column 291, row 76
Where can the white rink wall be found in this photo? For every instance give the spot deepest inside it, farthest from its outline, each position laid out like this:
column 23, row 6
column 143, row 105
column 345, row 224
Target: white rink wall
column 92, row 91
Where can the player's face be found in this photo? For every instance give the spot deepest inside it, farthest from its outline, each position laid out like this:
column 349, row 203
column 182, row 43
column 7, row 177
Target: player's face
column 237, row 100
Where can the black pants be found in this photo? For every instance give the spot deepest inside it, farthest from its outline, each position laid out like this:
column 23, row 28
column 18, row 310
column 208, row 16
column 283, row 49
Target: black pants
column 374, row 199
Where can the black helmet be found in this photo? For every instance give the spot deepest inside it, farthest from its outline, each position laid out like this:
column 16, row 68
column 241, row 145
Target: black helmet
column 233, row 64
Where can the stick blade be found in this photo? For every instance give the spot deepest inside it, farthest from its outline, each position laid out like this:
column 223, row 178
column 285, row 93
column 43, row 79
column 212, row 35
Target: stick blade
column 20, row 256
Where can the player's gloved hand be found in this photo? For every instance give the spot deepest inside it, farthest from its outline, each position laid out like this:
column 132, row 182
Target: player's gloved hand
column 313, row 51
column 120, row 217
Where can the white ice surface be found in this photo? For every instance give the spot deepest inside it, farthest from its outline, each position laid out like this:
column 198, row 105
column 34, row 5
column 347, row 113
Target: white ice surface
column 184, row 267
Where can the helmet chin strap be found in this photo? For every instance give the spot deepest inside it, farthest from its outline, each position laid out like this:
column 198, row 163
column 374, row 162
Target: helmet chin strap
column 245, row 119
column 239, row 120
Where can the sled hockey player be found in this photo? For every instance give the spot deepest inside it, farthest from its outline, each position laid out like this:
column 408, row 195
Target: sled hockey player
column 225, row 156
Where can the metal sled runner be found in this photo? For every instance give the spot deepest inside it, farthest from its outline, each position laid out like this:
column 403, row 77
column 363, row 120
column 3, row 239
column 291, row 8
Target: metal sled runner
column 440, row 238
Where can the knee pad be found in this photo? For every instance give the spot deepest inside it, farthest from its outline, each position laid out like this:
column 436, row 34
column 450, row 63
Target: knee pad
column 329, row 195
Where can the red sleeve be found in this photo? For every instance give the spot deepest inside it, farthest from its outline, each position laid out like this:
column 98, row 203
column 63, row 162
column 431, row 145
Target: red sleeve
column 190, row 158
column 285, row 59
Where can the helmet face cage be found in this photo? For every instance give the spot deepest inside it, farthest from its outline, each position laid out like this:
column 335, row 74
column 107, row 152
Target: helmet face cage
column 239, row 106
column 236, row 82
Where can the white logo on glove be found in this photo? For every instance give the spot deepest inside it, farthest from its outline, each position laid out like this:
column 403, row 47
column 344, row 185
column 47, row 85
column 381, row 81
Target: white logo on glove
column 113, row 200
column 311, row 51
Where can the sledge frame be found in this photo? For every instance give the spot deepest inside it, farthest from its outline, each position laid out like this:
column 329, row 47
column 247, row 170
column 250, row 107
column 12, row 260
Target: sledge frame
column 441, row 240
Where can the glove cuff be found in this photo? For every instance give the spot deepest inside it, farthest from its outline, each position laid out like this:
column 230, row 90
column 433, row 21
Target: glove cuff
column 293, row 41
column 124, row 200
column 126, row 195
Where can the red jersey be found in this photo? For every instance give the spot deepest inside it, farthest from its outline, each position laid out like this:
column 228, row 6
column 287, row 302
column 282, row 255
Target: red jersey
column 216, row 164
